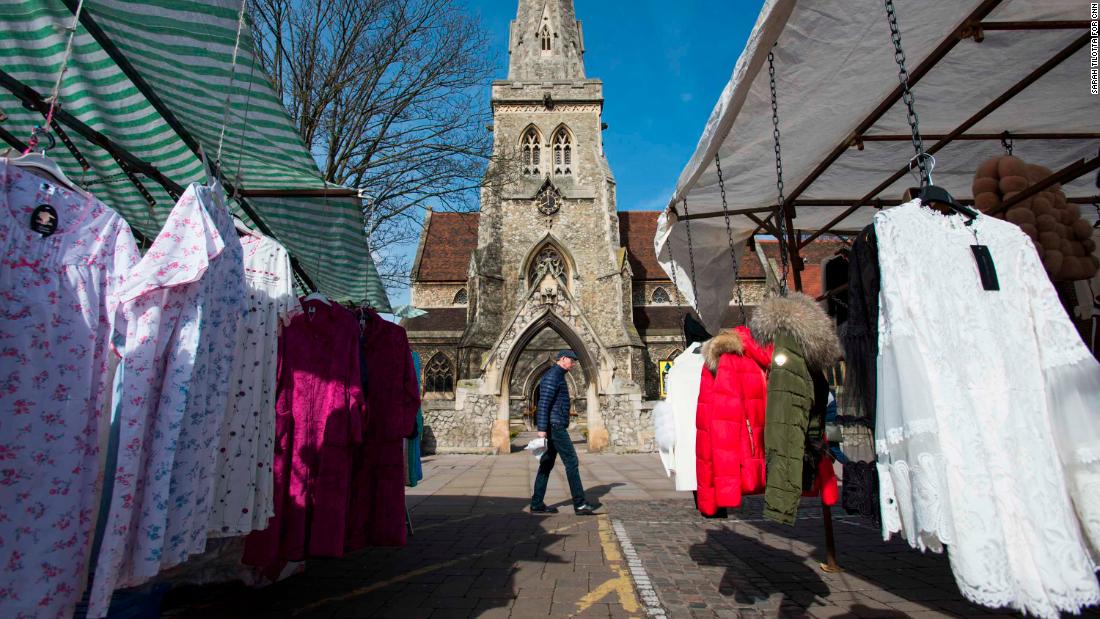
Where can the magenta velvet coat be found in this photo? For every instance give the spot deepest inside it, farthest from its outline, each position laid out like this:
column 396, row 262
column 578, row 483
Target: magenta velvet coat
column 393, row 397
column 320, row 419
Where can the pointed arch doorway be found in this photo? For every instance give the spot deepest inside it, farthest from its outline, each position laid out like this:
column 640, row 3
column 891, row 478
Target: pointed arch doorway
column 529, row 361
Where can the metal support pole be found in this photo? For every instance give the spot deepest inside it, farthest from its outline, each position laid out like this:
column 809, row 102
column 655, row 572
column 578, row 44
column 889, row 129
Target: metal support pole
column 830, row 565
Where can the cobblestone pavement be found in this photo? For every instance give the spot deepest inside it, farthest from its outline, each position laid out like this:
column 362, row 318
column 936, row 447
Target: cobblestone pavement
column 746, row 566
column 477, row 552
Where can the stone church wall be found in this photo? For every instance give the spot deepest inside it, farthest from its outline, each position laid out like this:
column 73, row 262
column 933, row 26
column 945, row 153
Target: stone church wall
column 435, row 295
column 629, row 423
column 461, row 424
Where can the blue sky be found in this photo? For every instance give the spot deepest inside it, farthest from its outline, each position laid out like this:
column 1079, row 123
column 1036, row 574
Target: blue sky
column 663, row 66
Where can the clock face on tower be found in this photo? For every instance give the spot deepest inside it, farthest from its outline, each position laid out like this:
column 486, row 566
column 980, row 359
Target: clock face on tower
column 548, row 199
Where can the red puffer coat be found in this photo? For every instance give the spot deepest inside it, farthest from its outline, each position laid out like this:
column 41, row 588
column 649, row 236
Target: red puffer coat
column 729, row 443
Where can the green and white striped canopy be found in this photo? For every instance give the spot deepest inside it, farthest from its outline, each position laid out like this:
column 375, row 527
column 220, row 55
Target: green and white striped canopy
column 183, row 50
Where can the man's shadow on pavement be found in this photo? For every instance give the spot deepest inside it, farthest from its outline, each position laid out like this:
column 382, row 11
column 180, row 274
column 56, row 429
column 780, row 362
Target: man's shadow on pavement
column 593, row 494
column 742, row 581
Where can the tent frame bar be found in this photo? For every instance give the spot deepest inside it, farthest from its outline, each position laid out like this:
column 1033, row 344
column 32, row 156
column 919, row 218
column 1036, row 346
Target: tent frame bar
column 336, row 192
column 973, row 137
column 915, row 76
column 977, row 117
column 169, row 117
column 878, row 203
column 34, row 100
column 18, row 144
column 1069, row 173
column 1036, row 25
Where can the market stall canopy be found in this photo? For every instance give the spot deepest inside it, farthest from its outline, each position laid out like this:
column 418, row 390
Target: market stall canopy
column 149, row 84
column 978, row 68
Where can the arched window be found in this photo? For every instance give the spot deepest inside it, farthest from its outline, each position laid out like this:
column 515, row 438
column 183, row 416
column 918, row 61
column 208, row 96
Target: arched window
column 546, row 43
column 439, row 375
column 531, row 151
column 461, row 297
column 563, row 151
column 548, row 260
column 660, row 296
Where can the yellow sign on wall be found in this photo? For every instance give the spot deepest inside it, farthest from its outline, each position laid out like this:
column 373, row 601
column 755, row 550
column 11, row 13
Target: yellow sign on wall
column 662, row 372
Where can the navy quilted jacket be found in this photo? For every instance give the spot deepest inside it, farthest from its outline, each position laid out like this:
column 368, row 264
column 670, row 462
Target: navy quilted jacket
column 553, row 400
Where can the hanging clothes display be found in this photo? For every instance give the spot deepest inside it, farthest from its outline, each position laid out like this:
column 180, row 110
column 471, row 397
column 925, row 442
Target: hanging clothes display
column 987, row 428
column 377, row 506
column 59, row 289
column 683, row 397
column 414, row 470
column 860, row 341
column 177, row 331
column 834, row 275
column 860, row 337
column 245, row 481
column 805, row 345
column 320, row 419
column 729, row 452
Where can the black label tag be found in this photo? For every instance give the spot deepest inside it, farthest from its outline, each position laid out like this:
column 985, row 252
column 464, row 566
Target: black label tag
column 44, row 220
column 986, row 268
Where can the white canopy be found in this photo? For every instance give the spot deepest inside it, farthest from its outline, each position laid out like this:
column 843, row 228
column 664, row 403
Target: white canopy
column 834, row 64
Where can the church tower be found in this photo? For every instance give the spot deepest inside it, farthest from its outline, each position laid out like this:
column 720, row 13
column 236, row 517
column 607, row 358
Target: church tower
column 549, row 271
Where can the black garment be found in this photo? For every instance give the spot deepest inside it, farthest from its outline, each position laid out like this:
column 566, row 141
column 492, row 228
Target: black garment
column 553, row 400
column 694, row 331
column 815, row 431
column 859, row 495
column 836, row 274
column 558, row 442
column 860, row 338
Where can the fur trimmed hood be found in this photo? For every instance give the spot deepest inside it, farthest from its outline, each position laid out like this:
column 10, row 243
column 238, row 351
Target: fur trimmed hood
column 738, row 342
column 727, row 342
column 805, row 320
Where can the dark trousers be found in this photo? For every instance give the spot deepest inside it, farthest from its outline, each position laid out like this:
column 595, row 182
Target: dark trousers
column 558, row 442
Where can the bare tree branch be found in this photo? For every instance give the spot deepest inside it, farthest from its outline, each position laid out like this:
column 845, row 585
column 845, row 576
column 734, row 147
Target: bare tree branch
column 390, row 97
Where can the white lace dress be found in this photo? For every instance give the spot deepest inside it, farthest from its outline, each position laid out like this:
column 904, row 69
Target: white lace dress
column 987, row 433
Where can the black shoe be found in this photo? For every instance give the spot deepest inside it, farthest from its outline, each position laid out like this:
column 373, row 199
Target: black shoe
column 544, row 509
column 584, row 510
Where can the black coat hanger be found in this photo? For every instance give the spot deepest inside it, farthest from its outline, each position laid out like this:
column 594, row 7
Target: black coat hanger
column 934, row 194
column 929, row 193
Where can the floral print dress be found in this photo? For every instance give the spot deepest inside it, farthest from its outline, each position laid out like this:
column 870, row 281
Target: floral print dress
column 245, row 485
column 58, row 296
column 178, row 325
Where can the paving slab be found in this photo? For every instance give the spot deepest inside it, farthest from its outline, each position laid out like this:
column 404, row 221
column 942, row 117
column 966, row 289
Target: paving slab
column 478, row 552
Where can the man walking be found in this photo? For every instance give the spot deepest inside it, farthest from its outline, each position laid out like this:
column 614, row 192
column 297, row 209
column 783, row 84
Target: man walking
column 552, row 421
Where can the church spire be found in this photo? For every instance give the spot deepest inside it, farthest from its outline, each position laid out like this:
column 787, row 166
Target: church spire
column 547, row 43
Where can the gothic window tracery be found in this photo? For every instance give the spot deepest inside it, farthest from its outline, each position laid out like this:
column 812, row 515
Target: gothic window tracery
column 461, row 297
column 548, row 261
column 439, row 375
column 546, row 39
column 563, row 152
column 660, row 296
column 531, row 151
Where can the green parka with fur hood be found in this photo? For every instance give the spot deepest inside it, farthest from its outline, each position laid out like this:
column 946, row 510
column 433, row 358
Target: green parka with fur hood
column 805, row 346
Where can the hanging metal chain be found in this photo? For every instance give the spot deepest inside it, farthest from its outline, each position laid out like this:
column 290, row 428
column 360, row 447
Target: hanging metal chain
column 691, row 252
column 781, row 219
column 729, row 235
column 922, row 158
column 676, row 289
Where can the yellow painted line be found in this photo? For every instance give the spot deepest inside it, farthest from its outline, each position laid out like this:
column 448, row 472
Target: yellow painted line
column 421, row 571
column 620, row 585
